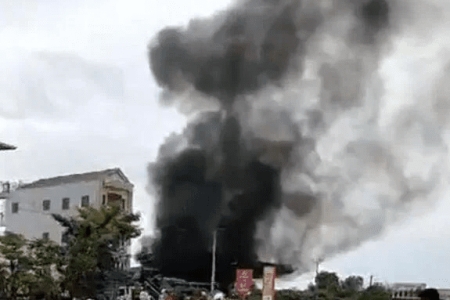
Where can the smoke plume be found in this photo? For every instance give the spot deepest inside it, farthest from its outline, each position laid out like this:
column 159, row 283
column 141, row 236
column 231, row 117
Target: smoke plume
column 290, row 151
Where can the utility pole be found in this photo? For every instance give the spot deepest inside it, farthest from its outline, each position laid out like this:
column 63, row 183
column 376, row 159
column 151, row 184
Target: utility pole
column 317, row 267
column 214, row 250
column 318, row 262
column 213, row 275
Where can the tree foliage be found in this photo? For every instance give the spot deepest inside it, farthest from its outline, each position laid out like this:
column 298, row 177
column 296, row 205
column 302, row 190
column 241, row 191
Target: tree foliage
column 48, row 267
column 353, row 283
column 328, row 286
column 327, row 281
column 95, row 243
column 95, row 246
column 293, row 295
column 29, row 267
column 375, row 292
column 16, row 269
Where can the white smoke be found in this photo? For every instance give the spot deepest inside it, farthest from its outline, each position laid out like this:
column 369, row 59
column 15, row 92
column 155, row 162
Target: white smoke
column 379, row 153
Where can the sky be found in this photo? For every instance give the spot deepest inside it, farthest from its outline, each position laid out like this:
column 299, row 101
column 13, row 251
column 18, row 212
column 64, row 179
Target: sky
column 77, row 95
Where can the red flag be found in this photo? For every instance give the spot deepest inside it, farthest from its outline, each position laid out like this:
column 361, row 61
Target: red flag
column 244, row 281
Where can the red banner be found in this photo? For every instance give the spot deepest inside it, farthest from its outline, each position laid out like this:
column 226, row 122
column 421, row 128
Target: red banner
column 244, row 281
column 269, row 283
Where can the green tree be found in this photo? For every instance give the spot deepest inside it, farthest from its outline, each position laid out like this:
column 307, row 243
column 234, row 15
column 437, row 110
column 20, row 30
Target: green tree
column 353, row 283
column 290, row 295
column 17, row 267
column 256, row 294
column 327, row 282
column 351, row 287
column 375, row 292
column 48, row 268
column 96, row 239
column 3, row 276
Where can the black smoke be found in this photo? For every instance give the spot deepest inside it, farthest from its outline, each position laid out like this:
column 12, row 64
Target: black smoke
column 217, row 183
column 253, row 163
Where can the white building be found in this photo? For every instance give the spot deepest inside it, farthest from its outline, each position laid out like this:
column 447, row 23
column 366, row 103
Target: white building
column 2, row 216
column 406, row 291
column 4, row 191
column 444, row 294
column 29, row 208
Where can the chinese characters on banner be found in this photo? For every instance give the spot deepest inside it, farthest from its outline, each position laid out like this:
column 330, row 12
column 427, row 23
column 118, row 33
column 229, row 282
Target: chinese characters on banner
column 269, row 283
column 244, row 281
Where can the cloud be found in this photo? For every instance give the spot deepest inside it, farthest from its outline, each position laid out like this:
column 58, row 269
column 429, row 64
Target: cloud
column 53, row 85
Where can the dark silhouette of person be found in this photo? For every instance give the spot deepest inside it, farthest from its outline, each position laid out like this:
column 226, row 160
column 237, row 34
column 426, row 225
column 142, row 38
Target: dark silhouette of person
column 429, row 294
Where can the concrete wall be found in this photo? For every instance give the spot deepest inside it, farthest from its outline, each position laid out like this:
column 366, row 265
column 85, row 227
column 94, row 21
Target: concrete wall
column 2, row 216
column 32, row 221
column 2, row 211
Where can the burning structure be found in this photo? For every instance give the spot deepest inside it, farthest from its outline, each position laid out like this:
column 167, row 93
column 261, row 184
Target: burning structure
column 271, row 86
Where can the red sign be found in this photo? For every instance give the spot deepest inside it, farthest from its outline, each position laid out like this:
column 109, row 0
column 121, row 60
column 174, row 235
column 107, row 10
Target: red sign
column 269, row 283
column 244, row 281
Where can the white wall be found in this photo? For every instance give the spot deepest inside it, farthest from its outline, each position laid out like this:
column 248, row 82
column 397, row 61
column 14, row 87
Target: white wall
column 444, row 293
column 2, row 207
column 32, row 221
column 2, row 216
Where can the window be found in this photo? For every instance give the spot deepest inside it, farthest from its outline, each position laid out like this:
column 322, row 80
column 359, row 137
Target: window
column 15, row 208
column 64, row 238
column 65, row 203
column 46, row 205
column 103, row 200
column 85, row 201
column 45, row 235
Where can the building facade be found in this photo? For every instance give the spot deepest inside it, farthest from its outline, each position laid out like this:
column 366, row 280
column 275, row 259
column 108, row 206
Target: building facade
column 444, row 294
column 28, row 209
column 407, row 291
column 2, row 216
column 4, row 191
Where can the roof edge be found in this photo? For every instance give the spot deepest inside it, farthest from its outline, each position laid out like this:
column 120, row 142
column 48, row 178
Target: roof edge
column 74, row 178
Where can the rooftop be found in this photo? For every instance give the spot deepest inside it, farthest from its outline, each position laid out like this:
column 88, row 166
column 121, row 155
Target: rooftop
column 4, row 146
column 398, row 286
column 65, row 179
column 408, row 283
